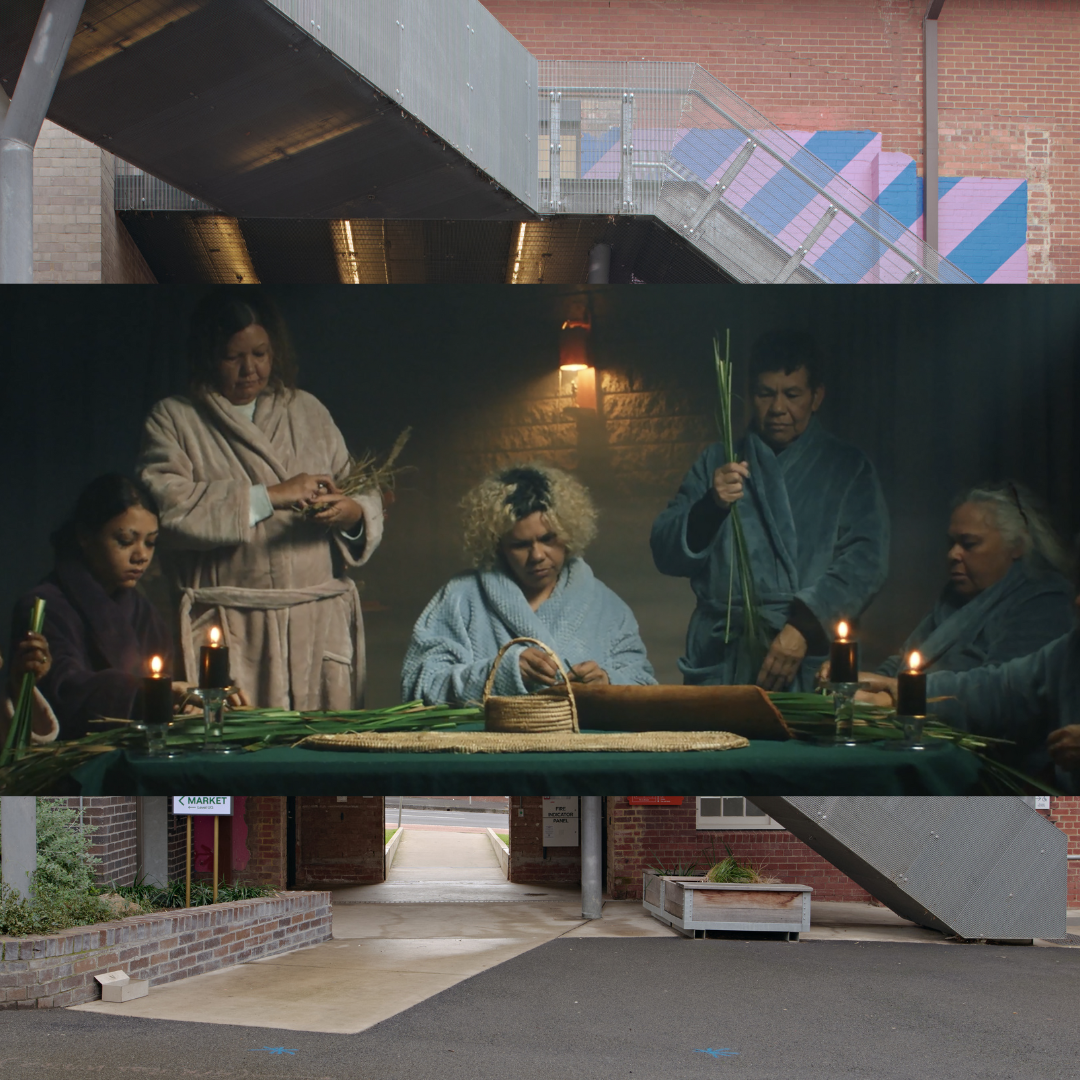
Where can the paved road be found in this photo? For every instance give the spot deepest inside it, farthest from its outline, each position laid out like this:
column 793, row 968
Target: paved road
column 610, row 1009
column 499, row 822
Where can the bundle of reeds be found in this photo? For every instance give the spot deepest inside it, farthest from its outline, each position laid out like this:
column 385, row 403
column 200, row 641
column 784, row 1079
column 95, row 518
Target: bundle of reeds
column 41, row 769
column 813, row 714
column 18, row 736
column 754, row 633
column 366, row 473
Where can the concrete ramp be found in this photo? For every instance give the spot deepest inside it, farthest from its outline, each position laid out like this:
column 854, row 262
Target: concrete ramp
column 977, row 867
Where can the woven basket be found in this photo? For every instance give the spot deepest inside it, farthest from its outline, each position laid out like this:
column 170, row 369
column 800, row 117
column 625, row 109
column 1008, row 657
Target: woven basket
column 548, row 710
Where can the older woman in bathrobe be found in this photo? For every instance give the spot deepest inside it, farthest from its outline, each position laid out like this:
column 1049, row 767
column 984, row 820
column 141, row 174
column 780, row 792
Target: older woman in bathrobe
column 525, row 530
column 254, row 528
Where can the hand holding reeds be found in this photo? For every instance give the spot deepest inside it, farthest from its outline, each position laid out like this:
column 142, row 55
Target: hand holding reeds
column 31, row 657
column 363, row 474
column 300, row 490
column 727, row 483
column 336, row 511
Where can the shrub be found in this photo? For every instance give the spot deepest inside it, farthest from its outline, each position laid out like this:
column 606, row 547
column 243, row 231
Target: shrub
column 64, row 862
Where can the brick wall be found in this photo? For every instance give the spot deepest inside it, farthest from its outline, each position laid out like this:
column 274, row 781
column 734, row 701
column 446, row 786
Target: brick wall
column 115, row 841
column 58, row 969
column 267, row 864
column 339, row 841
column 77, row 234
column 1064, row 812
column 528, row 862
column 642, row 836
column 1007, row 78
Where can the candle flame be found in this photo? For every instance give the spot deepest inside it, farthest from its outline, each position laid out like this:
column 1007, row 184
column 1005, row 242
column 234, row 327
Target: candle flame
column 155, row 665
column 842, row 629
column 914, row 661
column 215, row 636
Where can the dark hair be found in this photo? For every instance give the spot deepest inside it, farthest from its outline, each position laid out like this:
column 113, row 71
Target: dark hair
column 100, row 501
column 786, row 351
column 225, row 312
column 530, row 491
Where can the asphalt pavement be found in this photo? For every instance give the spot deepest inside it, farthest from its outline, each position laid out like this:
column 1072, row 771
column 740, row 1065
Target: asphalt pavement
column 610, row 1009
column 451, row 818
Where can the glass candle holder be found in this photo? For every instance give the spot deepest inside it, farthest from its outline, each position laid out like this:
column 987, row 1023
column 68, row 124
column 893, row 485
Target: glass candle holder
column 843, row 712
column 213, row 700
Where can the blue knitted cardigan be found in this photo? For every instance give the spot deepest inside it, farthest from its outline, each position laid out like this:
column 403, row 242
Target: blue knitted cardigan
column 456, row 638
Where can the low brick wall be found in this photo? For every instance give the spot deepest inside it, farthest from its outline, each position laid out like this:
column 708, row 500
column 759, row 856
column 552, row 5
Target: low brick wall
column 56, row 970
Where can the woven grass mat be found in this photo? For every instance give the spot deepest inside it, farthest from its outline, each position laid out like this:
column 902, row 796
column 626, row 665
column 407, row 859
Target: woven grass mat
column 507, row 742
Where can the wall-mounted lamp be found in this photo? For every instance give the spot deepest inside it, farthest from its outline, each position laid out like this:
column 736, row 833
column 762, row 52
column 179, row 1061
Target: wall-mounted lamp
column 576, row 375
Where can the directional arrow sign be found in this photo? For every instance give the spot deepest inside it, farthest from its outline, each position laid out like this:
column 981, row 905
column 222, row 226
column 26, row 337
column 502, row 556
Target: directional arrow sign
column 216, row 805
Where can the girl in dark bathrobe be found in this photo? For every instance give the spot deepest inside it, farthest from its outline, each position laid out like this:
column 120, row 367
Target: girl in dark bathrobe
column 102, row 632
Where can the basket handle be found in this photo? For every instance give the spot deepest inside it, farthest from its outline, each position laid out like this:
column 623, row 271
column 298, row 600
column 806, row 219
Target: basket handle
column 490, row 681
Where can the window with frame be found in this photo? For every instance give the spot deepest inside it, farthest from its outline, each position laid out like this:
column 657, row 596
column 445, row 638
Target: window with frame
column 731, row 812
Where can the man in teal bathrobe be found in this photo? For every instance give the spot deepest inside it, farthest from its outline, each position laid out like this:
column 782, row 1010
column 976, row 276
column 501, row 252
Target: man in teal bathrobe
column 815, row 523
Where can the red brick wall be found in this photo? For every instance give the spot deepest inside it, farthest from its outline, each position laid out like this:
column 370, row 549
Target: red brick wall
column 527, row 858
column 57, row 970
column 642, row 836
column 115, row 841
column 1064, row 812
column 339, row 842
column 1008, row 77
column 267, row 863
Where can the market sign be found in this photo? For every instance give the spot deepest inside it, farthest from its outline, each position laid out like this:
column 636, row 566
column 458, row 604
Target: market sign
column 560, row 821
column 655, row 800
column 216, row 805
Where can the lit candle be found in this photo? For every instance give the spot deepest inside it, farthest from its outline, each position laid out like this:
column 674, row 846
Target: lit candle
column 911, row 689
column 214, row 663
column 157, row 695
column 843, row 657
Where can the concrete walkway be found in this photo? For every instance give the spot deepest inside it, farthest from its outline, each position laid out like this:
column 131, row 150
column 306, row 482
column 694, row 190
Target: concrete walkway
column 446, row 914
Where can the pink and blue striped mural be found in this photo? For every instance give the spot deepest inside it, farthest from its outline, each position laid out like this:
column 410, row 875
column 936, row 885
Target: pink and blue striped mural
column 982, row 221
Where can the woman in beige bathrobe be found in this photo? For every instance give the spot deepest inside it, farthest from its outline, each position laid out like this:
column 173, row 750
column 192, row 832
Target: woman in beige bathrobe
column 232, row 466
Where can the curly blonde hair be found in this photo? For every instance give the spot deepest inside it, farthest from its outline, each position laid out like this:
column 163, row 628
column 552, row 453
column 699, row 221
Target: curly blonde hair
column 492, row 508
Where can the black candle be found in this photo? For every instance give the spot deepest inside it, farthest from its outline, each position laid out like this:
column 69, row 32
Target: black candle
column 843, row 657
column 214, row 663
column 157, row 696
column 911, row 689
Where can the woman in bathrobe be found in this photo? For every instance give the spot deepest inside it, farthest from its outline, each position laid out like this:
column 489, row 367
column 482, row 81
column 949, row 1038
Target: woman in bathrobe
column 1007, row 595
column 257, row 535
column 525, row 530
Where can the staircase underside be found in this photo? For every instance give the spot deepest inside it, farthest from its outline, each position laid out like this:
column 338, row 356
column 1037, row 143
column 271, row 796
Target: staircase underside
column 233, row 103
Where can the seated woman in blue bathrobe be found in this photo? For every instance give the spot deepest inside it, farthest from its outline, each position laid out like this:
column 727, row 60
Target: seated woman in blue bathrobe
column 1007, row 594
column 525, row 530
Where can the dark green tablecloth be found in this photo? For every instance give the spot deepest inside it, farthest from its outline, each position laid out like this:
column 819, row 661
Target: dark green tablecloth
column 763, row 768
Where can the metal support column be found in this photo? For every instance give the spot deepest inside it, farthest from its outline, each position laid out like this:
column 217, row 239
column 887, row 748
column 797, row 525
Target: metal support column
column 626, row 168
column 555, row 150
column 592, row 887
column 18, row 842
column 33, row 92
column 930, row 122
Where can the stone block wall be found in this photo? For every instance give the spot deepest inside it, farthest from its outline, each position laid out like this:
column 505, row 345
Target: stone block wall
column 57, row 970
column 1005, row 70
column 78, row 237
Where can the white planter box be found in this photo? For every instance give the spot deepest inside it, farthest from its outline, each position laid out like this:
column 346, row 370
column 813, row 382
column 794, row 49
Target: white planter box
column 694, row 905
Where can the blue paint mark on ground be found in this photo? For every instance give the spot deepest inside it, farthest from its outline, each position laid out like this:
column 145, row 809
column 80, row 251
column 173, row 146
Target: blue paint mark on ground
column 723, row 1052
column 271, row 1050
